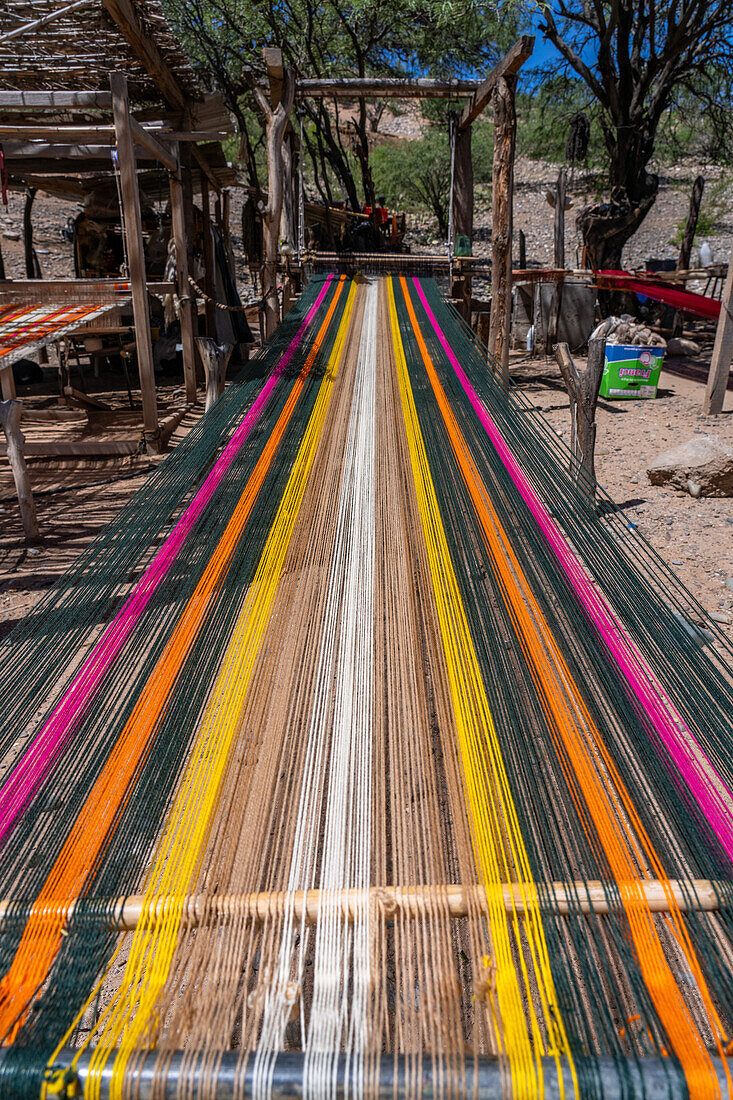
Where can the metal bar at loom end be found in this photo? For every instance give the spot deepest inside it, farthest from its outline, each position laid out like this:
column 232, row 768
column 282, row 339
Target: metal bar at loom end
column 160, row 1075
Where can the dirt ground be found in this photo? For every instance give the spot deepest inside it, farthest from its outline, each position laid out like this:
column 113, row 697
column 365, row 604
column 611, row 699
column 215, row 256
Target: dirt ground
column 695, row 537
column 76, row 500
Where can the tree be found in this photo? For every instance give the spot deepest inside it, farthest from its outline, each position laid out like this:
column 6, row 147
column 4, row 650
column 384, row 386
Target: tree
column 640, row 59
column 322, row 38
column 417, row 172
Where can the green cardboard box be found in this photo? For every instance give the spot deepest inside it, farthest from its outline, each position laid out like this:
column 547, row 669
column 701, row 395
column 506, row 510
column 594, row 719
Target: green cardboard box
column 631, row 372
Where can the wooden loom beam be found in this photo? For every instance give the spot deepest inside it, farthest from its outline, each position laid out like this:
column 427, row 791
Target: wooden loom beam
column 136, row 258
column 385, row 87
column 60, row 101
column 408, row 902
column 70, row 135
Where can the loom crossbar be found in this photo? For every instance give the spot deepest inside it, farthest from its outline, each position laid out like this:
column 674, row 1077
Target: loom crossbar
column 165, row 1075
column 410, row 902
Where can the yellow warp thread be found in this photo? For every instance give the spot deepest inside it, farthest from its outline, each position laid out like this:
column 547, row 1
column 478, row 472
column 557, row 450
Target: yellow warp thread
column 131, row 1015
column 500, row 851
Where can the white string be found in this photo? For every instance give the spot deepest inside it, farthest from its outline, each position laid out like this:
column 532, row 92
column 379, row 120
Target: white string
column 337, row 769
column 339, row 1011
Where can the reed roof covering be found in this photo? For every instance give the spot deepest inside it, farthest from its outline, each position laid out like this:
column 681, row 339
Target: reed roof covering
column 77, row 51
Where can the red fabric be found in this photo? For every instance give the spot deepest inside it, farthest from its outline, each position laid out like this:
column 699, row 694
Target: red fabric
column 685, row 300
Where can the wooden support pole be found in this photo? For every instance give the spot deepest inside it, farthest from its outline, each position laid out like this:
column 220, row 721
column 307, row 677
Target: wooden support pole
column 209, row 273
column 463, row 216
column 215, row 358
column 276, row 121
column 683, row 260
column 185, row 292
column 505, row 132
column 31, row 267
column 559, row 226
column 226, row 205
column 152, row 146
column 722, row 351
column 463, row 185
column 10, row 414
column 413, row 902
column 583, row 393
column 509, row 66
column 136, row 258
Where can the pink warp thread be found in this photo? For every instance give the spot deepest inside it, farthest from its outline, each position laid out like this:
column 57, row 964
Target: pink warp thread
column 54, row 736
column 677, row 737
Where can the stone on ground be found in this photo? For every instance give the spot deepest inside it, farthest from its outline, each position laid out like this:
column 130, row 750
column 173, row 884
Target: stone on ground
column 702, row 467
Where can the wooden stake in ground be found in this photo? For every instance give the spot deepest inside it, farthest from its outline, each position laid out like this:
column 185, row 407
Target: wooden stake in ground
column 505, row 131
column 722, row 351
column 10, row 414
column 683, row 261
column 215, row 358
column 583, row 392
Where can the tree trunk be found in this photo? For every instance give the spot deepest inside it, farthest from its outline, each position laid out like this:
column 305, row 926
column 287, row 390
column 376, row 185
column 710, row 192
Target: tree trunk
column 607, row 226
column 362, row 154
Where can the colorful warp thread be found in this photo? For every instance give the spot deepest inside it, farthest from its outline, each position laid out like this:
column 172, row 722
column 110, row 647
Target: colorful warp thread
column 26, row 324
column 377, row 636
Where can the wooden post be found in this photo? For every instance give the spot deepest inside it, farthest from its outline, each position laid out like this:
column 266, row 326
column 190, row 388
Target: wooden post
column 215, row 358
column 288, row 223
column 505, row 131
column 185, row 291
column 209, row 274
column 10, row 414
column 136, row 257
column 288, row 217
column 31, row 263
column 277, row 114
column 522, row 251
column 463, row 215
column 463, row 184
column 722, row 350
column 559, row 228
column 683, row 261
column 225, row 209
column 583, row 393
